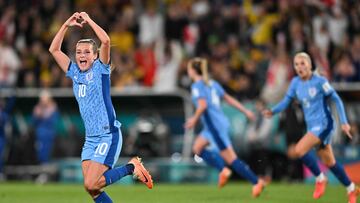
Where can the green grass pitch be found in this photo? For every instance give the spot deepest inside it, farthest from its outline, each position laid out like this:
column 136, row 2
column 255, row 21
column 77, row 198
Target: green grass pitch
column 164, row 193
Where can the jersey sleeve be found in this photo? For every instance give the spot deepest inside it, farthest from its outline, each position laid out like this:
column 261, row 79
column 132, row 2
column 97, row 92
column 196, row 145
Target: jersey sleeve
column 197, row 91
column 339, row 107
column 220, row 90
column 291, row 92
column 326, row 87
column 103, row 68
column 290, row 95
column 71, row 70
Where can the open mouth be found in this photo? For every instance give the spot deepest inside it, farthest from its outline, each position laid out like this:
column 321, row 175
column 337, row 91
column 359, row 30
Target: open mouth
column 83, row 62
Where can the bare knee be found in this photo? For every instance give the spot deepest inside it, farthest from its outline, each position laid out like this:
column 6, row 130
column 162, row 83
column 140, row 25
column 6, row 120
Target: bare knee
column 91, row 187
column 228, row 155
column 329, row 163
column 327, row 160
column 295, row 153
column 196, row 150
column 327, row 156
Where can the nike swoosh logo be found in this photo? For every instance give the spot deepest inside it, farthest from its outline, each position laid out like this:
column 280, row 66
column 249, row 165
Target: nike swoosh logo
column 146, row 180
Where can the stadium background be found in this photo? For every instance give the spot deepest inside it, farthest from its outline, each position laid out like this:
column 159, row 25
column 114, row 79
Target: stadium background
column 249, row 45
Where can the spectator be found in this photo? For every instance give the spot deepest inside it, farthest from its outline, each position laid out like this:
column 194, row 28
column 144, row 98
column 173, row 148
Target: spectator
column 151, row 26
column 45, row 116
column 9, row 65
column 169, row 59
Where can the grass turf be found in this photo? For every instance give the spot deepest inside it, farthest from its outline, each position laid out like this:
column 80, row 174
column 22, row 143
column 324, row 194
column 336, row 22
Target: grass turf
column 164, row 193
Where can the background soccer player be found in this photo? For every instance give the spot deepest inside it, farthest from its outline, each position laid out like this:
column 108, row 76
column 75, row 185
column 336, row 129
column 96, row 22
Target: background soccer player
column 207, row 95
column 91, row 85
column 5, row 110
column 312, row 91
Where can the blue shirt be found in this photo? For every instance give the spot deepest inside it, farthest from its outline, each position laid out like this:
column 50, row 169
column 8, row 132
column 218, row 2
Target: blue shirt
column 213, row 94
column 313, row 95
column 92, row 92
column 5, row 115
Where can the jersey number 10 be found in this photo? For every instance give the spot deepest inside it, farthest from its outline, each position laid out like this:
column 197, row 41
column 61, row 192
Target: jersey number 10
column 82, row 90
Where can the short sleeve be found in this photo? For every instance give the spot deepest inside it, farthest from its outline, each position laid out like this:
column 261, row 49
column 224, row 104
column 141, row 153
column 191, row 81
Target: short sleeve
column 103, row 68
column 197, row 91
column 325, row 86
column 220, row 90
column 291, row 92
column 71, row 70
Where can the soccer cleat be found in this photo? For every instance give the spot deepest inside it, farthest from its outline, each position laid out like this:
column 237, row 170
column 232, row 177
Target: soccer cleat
column 224, row 176
column 352, row 196
column 141, row 173
column 320, row 187
column 258, row 188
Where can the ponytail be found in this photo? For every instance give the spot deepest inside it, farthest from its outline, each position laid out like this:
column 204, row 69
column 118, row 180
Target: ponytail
column 200, row 65
column 204, row 71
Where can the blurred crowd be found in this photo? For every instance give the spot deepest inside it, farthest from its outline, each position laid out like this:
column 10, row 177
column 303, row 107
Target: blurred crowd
column 249, row 43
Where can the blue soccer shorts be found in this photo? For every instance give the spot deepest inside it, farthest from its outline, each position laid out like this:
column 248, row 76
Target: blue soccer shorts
column 218, row 139
column 104, row 149
column 323, row 130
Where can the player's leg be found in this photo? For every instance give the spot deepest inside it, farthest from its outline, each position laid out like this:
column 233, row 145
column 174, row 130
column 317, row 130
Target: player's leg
column 211, row 157
column 134, row 167
column 327, row 157
column 301, row 150
column 94, row 180
column 98, row 155
column 242, row 169
column 220, row 137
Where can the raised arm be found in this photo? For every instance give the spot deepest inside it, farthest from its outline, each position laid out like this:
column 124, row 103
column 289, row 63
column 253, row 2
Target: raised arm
column 235, row 103
column 55, row 47
column 104, row 54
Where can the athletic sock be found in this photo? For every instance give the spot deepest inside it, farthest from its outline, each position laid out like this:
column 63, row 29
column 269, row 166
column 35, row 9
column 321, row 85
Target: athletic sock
column 244, row 171
column 113, row 175
column 350, row 188
column 310, row 161
column 339, row 172
column 103, row 198
column 320, row 177
column 213, row 159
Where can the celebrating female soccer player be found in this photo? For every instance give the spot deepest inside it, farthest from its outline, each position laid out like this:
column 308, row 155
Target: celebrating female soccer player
column 313, row 91
column 91, row 85
column 207, row 95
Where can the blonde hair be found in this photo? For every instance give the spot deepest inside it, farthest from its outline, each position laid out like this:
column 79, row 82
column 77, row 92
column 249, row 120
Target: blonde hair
column 200, row 65
column 307, row 58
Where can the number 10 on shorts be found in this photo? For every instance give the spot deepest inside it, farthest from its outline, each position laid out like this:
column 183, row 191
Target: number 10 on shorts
column 101, row 149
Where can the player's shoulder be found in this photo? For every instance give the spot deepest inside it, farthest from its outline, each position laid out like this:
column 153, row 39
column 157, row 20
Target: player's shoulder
column 213, row 82
column 295, row 80
column 319, row 78
column 73, row 68
column 97, row 63
column 198, row 84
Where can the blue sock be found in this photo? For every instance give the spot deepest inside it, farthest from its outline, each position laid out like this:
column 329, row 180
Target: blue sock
column 310, row 161
column 339, row 172
column 244, row 171
column 113, row 175
column 103, row 198
column 213, row 159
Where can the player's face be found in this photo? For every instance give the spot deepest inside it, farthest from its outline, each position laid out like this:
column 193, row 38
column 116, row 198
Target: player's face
column 85, row 55
column 302, row 67
column 191, row 73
